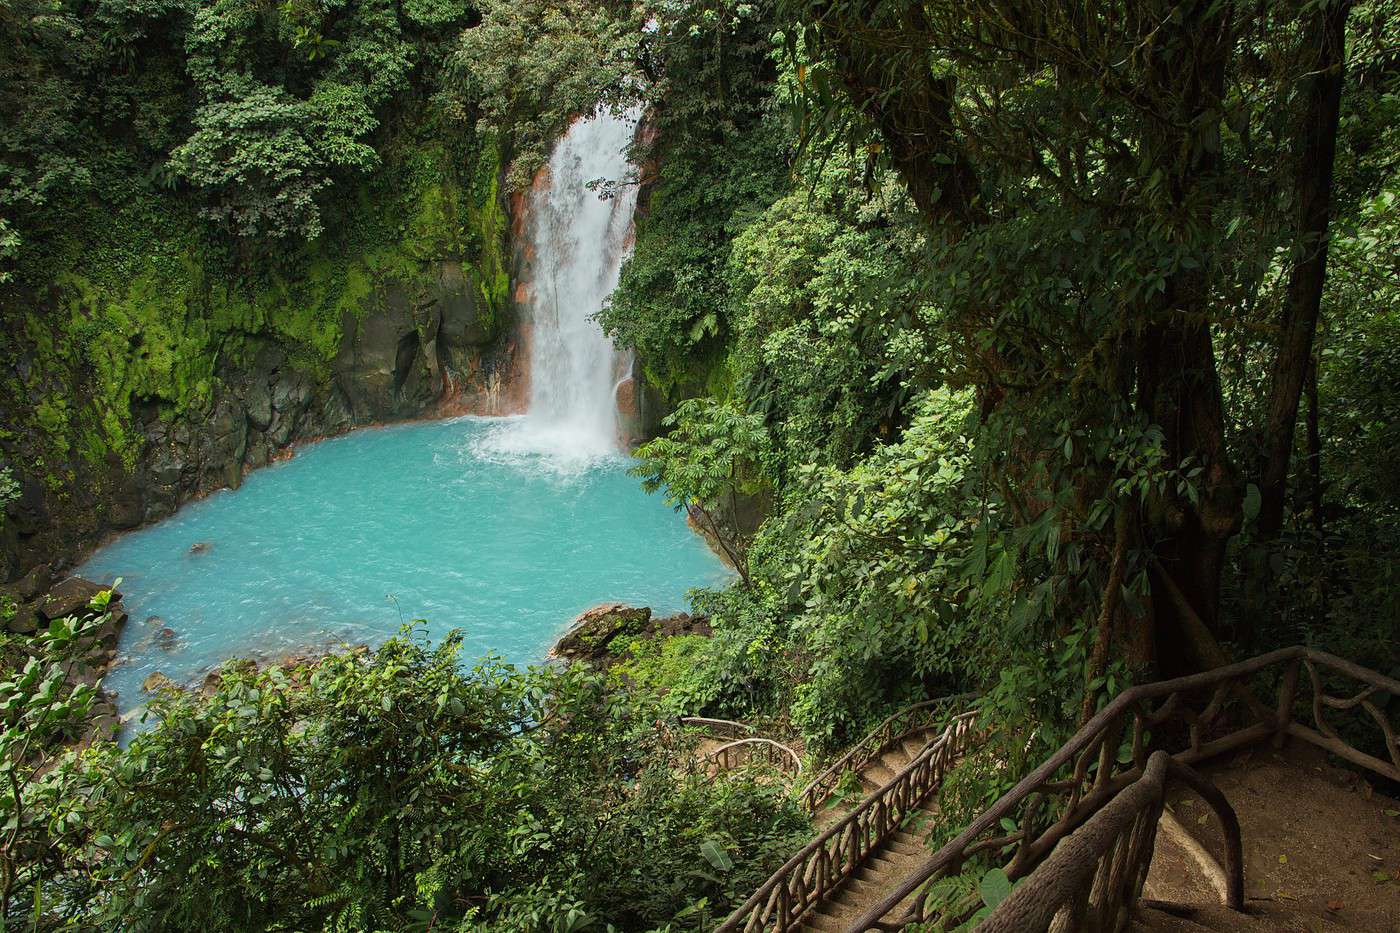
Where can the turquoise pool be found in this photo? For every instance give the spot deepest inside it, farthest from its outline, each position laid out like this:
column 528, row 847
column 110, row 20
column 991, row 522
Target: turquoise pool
column 457, row 522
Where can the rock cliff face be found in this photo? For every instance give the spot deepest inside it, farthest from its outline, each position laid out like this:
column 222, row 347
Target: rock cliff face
column 411, row 349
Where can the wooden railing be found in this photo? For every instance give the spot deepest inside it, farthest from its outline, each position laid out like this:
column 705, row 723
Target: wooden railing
column 811, row 875
column 1095, row 875
column 921, row 718
column 1216, row 710
column 726, row 728
column 751, row 751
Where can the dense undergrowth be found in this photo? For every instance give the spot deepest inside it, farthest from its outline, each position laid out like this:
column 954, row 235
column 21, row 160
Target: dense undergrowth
column 395, row 789
column 958, row 465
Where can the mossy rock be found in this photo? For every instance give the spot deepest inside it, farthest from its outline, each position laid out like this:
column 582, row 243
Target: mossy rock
column 590, row 634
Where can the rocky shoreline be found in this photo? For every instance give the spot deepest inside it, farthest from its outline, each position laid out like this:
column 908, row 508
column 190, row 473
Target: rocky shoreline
column 592, row 637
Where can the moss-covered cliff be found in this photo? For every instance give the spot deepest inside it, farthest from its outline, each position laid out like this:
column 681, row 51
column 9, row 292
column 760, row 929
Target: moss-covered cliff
column 156, row 363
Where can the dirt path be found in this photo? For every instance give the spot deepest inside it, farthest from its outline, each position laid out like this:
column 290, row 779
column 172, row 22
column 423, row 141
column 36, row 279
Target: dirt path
column 1322, row 849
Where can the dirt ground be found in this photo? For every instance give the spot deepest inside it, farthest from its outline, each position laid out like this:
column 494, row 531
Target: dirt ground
column 1321, row 844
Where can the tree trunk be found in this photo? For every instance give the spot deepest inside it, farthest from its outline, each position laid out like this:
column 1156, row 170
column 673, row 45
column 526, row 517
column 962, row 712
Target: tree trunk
column 1314, row 455
column 1178, row 387
column 897, row 90
column 1324, row 60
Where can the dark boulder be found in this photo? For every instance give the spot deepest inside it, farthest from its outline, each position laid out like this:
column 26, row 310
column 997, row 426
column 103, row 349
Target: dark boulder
column 292, row 393
column 259, row 402
column 34, row 583
column 29, row 513
column 127, row 506
column 71, row 596
column 456, row 293
column 25, row 621
column 680, row 623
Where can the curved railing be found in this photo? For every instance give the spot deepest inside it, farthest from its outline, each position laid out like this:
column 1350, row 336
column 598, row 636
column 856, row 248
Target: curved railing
column 1088, row 771
column 754, row 750
column 1095, row 875
column 810, row 876
column 921, row 717
column 726, row 727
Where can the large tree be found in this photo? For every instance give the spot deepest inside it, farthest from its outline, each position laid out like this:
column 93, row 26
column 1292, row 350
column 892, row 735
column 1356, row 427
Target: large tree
column 1119, row 193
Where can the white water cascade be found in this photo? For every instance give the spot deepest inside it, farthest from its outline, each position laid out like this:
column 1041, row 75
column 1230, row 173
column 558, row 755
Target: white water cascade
column 579, row 242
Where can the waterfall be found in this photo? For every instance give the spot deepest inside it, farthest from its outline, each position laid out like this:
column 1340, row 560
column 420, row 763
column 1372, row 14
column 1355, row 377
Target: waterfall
column 578, row 241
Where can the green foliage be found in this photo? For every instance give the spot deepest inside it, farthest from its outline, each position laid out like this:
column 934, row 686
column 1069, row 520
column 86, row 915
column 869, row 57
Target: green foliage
column 712, row 450
column 9, row 491
column 532, row 67
column 392, row 788
column 263, row 156
column 723, row 159
column 966, row 329
column 42, row 706
column 712, row 454
column 830, row 325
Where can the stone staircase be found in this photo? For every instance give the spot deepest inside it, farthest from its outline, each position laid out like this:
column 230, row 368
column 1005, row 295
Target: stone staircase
column 899, row 855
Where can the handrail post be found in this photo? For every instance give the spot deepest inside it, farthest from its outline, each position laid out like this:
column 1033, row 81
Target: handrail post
column 1287, row 692
column 1229, row 827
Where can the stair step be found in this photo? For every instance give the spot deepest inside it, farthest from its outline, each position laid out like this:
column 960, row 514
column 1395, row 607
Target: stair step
column 883, row 864
column 894, row 758
column 880, row 773
column 857, row 886
column 866, row 873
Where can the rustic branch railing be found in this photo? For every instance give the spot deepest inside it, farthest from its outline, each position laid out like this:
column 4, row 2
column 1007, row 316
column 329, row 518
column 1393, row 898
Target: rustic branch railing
column 726, row 728
column 754, row 751
column 1094, row 877
column 1088, row 771
column 811, row 875
column 919, row 718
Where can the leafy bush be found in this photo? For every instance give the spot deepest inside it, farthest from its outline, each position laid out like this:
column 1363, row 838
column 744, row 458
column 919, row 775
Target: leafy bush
column 393, row 788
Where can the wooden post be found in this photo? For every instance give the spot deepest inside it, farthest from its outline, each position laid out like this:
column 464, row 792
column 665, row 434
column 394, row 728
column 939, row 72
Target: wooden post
column 1287, row 690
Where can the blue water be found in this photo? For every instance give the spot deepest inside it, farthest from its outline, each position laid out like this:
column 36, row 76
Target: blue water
column 454, row 522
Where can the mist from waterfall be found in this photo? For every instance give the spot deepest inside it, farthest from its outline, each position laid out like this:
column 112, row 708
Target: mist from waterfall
column 579, row 241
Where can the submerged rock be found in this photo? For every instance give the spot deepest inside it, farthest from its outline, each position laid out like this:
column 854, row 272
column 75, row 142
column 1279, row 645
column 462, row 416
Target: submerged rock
column 201, row 547
column 157, row 681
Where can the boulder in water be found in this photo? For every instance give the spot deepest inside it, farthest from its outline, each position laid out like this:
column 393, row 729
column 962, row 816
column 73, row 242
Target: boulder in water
column 201, row 547
column 156, row 681
column 594, row 629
